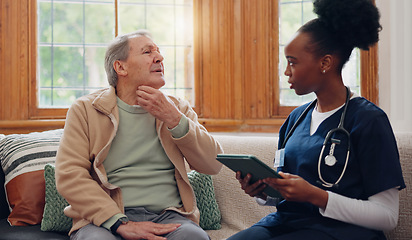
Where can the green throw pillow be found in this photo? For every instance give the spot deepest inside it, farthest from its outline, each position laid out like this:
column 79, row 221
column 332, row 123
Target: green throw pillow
column 53, row 216
column 206, row 202
column 55, row 220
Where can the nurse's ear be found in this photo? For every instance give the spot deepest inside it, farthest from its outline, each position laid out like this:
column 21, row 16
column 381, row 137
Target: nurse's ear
column 326, row 63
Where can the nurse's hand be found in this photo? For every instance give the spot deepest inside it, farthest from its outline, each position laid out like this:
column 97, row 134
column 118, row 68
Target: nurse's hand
column 297, row 189
column 253, row 190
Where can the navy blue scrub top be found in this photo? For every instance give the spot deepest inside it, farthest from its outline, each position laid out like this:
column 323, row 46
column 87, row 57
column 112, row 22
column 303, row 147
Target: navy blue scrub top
column 373, row 166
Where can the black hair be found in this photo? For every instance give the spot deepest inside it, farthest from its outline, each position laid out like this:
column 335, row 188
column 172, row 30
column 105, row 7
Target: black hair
column 341, row 26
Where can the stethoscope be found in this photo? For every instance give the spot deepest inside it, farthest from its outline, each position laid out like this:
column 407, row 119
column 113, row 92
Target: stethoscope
column 330, row 159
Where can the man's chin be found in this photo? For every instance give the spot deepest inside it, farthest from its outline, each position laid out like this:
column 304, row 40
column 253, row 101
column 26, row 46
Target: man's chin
column 159, row 84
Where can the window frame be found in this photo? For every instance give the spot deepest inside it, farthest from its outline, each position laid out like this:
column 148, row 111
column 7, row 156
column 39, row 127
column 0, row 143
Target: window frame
column 227, row 97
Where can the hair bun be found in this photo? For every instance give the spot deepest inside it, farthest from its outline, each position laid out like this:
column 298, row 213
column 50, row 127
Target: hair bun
column 354, row 22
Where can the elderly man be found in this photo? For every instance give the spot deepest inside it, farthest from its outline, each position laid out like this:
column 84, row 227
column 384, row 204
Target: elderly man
column 121, row 161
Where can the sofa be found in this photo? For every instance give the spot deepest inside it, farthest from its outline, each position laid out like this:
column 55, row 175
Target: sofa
column 237, row 210
column 240, row 211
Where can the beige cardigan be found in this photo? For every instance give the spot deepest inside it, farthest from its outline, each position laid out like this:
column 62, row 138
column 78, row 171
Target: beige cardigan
column 91, row 125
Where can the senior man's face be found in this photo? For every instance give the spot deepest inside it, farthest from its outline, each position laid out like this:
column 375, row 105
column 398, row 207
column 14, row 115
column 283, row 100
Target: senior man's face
column 145, row 63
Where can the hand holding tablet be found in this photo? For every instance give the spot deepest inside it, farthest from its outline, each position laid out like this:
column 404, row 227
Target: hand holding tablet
column 250, row 164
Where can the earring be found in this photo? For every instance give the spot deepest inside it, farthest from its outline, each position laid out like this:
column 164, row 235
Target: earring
column 324, row 71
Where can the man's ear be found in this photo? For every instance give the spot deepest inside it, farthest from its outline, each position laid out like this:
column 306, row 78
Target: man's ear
column 326, row 63
column 119, row 67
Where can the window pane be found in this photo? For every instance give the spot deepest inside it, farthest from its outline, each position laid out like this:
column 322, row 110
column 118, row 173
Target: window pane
column 99, row 23
column 131, row 17
column 351, row 72
column 185, row 74
column 44, row 66
column 169, row 64
column 184, row 25
column 307, row 9
column 290, row 21
column 165, row 16
column 44, row 22
column 68, row 66
column 133, row 1
column 94, row 67
column 67, row 26
column 59, row 97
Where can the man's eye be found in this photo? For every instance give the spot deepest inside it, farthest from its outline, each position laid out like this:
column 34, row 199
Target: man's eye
column 147, row 51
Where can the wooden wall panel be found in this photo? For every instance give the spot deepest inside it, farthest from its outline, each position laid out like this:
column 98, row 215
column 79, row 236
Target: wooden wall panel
column 14, row 59
column 369, row 74
column 258, row 52
column 236, row 52
column 217, row 61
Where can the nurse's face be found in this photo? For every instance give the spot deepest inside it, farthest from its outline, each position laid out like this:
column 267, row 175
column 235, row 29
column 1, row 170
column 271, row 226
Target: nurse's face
column 303, row 68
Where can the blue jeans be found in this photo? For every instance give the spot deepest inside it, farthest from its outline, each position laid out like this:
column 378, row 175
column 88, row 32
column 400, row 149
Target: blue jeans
column 187, row 230
column 274, row 233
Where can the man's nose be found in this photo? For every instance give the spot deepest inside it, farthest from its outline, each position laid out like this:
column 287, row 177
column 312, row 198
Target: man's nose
column 158, row 58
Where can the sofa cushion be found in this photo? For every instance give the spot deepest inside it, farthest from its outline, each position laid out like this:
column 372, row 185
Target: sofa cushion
column 53, row 216
column 206, row 202
column 23, row 157
column 8, row 232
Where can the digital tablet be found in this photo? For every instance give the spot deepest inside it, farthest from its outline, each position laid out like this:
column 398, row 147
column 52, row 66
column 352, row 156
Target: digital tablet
column 250, row 164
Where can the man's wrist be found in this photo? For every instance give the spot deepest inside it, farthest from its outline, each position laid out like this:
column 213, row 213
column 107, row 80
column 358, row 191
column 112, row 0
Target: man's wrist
column 116, row 225
column 180, row 129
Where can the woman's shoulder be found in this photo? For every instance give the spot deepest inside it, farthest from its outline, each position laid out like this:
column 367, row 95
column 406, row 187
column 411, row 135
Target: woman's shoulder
column 365, row 108
column 364, row 114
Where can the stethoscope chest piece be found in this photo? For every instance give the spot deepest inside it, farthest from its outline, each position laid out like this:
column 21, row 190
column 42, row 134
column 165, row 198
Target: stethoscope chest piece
column 330, row 160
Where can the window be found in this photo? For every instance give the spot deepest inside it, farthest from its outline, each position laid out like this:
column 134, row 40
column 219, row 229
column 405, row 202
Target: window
column 73, row 35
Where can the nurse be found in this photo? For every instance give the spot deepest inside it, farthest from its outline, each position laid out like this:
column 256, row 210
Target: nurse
column 356, row 196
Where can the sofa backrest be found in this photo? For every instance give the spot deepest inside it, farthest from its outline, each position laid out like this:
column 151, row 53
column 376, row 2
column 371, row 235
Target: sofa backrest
column 240, row 211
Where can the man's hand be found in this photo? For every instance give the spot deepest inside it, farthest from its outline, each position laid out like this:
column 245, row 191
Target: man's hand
column 253, row 190
column 145, row 230
column 157, row 104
